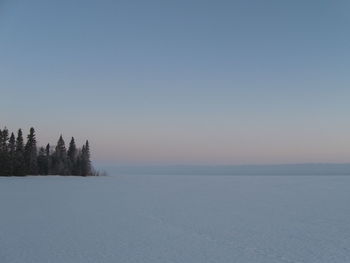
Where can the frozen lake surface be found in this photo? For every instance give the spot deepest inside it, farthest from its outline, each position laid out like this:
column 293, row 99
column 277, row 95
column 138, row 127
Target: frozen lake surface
column 175, row 219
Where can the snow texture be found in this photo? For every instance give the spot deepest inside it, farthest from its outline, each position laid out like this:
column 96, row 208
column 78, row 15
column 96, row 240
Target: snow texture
column 197, row 219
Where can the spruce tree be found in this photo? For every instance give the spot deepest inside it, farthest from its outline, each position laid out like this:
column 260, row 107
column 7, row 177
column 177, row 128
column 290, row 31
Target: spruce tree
column 5, row 166
column 42, row 164
column 12, row 153
column 19, row 155
column 48, row 159
column 2, row 160
column 85, row 160
column 82, row 161
column 72, row 157
column 78, row 168
column 60, row 158
column 4, row 140
column 30, row 154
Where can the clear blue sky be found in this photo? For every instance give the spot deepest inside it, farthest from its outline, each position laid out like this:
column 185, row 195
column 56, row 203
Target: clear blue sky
column 181, row 82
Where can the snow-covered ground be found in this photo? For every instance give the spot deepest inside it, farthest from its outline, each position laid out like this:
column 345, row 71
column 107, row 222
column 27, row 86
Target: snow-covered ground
column 175, row 219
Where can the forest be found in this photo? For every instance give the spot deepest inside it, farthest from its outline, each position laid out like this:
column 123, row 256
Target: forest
column 19, row 158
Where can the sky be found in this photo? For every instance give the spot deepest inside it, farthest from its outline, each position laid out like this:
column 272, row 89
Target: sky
column 180, row 82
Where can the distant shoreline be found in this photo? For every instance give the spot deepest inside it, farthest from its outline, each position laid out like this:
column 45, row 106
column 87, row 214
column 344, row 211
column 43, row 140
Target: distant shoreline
column 279, row 169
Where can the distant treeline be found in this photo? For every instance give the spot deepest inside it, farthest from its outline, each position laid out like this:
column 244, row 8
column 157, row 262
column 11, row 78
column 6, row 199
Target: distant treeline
column 19, row 159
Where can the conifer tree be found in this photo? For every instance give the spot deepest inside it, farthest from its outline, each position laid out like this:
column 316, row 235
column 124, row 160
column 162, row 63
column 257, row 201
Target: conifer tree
column 30, row 154
column 19, row 155
column 60, row 158
column 5, row 166
column 72, row 157
column 82, row 163
column 42, row 164
column 2, row 160
column 48, row 159
column 12, row 153
column 4, row 140
column 78, row 167
column 85, row 160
